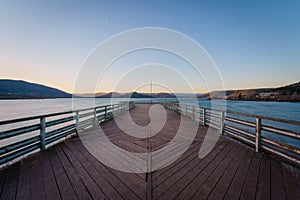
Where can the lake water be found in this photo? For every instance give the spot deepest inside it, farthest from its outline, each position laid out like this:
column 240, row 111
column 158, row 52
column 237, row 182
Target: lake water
column 11, row 109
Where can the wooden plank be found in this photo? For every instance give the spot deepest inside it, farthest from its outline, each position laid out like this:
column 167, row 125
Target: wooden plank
column 191, row 154
column 51, row 188
column 37, row 189
column 277, row 181
column 290, row 182
column 210, row 183
column 74, row 177
column 237, row 183
column 23, row 191
column 10, row 186
column 161, row 175
column 122, row 159
column 223, row 183
column 249, row 189
column 90, row 177
column 131, row 146
column 115, row 181
column 202, row 183
column 184, row 178
column 64, row 185
column 264, row 185
column 2, row 179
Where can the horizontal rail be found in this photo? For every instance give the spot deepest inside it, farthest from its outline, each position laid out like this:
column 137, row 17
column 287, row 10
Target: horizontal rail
column 280, row 131
column 19, row 131
column 213, row 115
column 19, row 153
column 59, row 121
column 239, row 121
column 12, row 147
column 280, row 154
column 228, row 131
column 241, row 131
column 53, row 139
column 86, row 114
column 60, row 130
column 281, row 145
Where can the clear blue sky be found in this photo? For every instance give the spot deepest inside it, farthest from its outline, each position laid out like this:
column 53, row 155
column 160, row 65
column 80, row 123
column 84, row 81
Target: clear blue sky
column 254, row 43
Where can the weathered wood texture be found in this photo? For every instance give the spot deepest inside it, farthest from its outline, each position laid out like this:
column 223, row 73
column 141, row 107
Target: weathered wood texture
column 231, row 170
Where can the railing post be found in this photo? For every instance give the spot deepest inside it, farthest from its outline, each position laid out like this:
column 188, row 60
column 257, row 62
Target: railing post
column 204, row 116
column 105, row 113
column 117, row 109
column 186, row 112
column 95, row 116
column 77, row 122
column 193, row 116
column 258, row 134
column 43, row 133
column 181, row 108
column 222, row 119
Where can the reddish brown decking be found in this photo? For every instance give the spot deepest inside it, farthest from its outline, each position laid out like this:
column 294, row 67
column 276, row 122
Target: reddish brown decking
column 231, row 171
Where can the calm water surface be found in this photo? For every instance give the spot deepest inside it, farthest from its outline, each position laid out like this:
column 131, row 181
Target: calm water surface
column 11, row 109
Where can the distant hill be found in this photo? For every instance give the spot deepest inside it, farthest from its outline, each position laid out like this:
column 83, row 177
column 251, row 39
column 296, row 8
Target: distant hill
column 163, row 95
column 123, row 95
column 17, row 89
column 286, row 93
column 187, row 95
column 292, row 89
column 128, row 95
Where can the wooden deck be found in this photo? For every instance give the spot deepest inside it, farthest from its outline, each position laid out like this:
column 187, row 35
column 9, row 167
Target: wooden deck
column 231, row 171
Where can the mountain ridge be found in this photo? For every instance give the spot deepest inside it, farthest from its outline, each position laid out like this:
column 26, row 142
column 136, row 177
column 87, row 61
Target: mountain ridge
column 19, row 89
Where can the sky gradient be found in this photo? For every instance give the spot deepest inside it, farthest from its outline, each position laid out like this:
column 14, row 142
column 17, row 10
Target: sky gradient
column 253, row 43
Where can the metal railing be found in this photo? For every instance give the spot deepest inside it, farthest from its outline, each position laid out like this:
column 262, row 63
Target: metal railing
column 280, row 137
column 23, row 136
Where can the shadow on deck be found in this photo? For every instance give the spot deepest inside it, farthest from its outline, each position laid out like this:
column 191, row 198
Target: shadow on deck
column 231, row 170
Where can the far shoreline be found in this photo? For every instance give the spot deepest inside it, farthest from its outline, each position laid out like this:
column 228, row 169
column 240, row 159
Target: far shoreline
column 208, row 99
column 255, row 100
